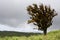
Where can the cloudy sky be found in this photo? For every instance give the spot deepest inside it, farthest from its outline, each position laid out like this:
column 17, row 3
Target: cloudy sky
column 13, row 14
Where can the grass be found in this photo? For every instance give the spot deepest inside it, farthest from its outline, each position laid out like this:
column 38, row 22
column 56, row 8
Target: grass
column 5, row 35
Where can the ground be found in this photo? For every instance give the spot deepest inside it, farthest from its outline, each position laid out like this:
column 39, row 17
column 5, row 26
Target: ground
column 53, row 35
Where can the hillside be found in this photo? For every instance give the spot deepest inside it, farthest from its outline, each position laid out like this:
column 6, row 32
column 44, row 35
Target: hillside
column 8, row 35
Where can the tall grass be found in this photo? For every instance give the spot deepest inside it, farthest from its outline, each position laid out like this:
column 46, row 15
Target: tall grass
column 54, row 35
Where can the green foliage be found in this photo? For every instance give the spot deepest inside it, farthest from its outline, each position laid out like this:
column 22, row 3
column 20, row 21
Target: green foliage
column 54, row 35
column 41, row 15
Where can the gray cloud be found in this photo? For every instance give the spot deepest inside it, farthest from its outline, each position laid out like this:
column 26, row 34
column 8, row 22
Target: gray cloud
column 13, row 12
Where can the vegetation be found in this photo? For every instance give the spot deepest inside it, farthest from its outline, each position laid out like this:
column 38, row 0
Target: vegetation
column 54, row 35
column 41, row 16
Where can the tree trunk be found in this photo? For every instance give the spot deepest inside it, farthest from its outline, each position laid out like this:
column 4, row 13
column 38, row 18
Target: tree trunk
column 45, row 31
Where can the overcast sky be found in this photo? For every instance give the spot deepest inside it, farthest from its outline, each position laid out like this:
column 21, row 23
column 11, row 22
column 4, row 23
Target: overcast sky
column 13, row 12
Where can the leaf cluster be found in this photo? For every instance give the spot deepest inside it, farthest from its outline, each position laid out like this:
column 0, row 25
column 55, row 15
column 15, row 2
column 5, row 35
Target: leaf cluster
column 41, row 15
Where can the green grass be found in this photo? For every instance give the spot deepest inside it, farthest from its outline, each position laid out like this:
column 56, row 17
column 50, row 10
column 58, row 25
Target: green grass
column 53, row 35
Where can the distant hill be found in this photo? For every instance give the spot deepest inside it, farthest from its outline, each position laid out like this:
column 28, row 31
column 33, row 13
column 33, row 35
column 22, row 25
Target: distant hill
column 14, row 33
column 11, row 35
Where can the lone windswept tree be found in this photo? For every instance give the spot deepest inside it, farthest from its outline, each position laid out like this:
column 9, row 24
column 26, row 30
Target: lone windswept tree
column 41, row 16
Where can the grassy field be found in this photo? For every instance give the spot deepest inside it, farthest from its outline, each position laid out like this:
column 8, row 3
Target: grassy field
column 5, row 35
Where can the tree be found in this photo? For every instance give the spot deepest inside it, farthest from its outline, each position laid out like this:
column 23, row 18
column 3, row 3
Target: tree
column 41, row 16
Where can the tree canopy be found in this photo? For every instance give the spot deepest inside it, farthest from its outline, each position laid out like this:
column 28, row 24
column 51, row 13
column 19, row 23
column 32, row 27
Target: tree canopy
column 41, row 15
